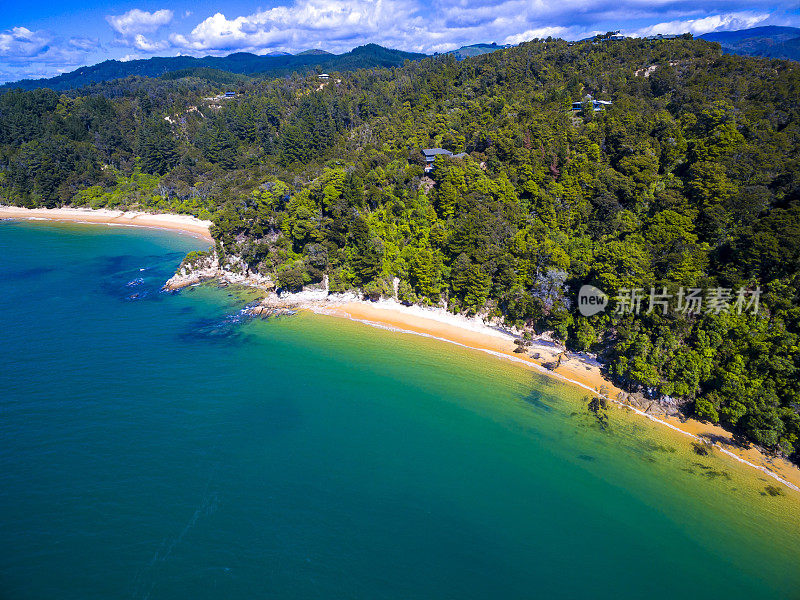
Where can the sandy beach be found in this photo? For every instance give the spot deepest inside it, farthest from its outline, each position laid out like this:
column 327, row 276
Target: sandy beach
column 543, row 356
column 572, row 369
column 184, row 223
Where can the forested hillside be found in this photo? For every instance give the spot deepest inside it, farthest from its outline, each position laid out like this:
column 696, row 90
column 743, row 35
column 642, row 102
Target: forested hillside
column 689, row 179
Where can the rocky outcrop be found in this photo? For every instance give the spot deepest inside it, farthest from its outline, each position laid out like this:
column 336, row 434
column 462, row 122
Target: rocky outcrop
column 198, row 267
column 195, row 268
column 264, row 311
column 663, row 406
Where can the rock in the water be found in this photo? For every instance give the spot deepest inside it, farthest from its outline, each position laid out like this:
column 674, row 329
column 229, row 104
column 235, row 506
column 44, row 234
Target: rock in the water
column 198, row 267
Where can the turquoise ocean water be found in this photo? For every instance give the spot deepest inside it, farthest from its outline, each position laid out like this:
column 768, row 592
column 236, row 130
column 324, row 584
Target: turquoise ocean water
column 158, row 446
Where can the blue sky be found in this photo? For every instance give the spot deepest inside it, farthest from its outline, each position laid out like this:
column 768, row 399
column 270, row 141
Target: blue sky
column 45, row 38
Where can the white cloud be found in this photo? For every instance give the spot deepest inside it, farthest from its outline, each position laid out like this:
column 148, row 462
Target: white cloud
column 137, row 22
column 132, row 26
column 338, row 24
column 84, row 43
column 541, row 33
column 725, row 22
column 441, row 25
column 23, row 46
column 21, row 43
column 25, row 53
column 140, row 42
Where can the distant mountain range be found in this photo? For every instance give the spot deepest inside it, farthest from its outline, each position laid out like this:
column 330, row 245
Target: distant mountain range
column 215, row 68
column 769, row 42
column 476, row 50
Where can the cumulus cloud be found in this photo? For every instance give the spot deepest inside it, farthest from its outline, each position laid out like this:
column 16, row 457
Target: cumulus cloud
column 26, row 53
column 441, row 25
column 301, row 25
column 338, row 25
column 21, row 45
column 140, row 42
column 137, row 22
column 540, row 33
column 132, row 26
column 727, row 22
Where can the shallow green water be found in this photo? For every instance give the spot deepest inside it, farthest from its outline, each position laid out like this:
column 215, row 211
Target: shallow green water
column 156, row 446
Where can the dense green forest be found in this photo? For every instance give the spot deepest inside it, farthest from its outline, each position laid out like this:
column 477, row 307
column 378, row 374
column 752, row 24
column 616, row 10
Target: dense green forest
column 689, row 179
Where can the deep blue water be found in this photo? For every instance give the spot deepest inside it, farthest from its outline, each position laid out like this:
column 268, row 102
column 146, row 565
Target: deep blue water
column 159, row 446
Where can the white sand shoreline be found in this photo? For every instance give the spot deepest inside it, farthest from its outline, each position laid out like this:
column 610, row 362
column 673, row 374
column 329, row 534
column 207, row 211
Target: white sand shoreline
column 574, row 369
column 119, row 218
column 434, row 323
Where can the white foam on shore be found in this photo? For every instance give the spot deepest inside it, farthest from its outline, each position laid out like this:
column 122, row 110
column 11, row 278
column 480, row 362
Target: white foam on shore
column 440, row 315
column 341, row 313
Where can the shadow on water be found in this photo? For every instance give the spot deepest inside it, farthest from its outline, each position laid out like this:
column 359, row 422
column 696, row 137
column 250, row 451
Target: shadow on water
column 228, row 329
column 18, row 274
column 121, row 263
column 131, row 278
column 225, row 331
column 534, row 399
